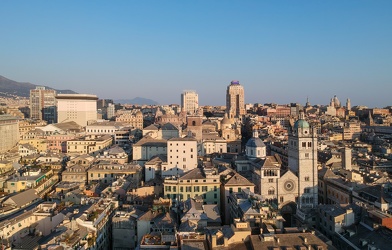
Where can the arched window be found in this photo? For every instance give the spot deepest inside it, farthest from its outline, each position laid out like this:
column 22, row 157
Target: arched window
column 271, row 191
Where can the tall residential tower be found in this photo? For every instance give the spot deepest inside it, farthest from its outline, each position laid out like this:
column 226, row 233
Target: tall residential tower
column 189, row 101
column 235, row 100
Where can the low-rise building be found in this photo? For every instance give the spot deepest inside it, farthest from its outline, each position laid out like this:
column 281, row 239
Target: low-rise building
column 40, row 221
column 181, row 156
column 107, row 172
column 27, row 149
column 229, row 236
column 124, row 230
column 192, row 184
column 76, row 173
column 301, row 241
column 90, row 144
column 249, row 207
column 332, row 219
column 147, row 148
column 98, row 221
column 132, row 118
column 234, row 183
column 212, row 143
column 114, row 154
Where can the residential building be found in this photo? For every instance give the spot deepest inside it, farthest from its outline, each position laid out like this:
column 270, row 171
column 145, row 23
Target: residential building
column 146, row 148
column 156, row 229
column 153, row 168
column 333, row 218
column 27, row 149
column 228, row 236
column 80, row 108
column 107, row 172
column 43, row 104
column 234, row 183
column 195, row 182
column 83, row 160
column 58, row 143
column 89, row 144
column 181, row 156
column 105, row 127
column 114, row 154
column 352, row 131
column 248, row 207
column 98, row 220
column 75, row 173
column 124, row 229
column 27, row 125
column 132, row 118
column 213, row 143
column 41, row 220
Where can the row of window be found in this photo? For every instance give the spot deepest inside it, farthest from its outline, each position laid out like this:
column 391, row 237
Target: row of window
column 181, row 196
column 294, row 143
column 100, row 131
column 189, row 189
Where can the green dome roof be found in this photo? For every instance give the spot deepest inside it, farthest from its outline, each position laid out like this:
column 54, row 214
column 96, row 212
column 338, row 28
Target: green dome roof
column 301, row 124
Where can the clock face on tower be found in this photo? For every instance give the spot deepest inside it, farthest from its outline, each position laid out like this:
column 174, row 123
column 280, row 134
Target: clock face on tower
column 289, row 185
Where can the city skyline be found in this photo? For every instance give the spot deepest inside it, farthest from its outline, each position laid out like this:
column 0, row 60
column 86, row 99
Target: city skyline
column 280, row 52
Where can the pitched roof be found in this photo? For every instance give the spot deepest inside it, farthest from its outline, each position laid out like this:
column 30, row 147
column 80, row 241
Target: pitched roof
column 327, row 173
column 238, row 180
column 23, row 198
column 68, row 126
column 193, row 174
column 183, row 139
column 148, row 141
column 157, row 159
column 115, row 150
column 169, row 126
column 151, row 127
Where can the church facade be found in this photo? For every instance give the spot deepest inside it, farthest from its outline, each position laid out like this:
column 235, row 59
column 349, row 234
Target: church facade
column 298, row 183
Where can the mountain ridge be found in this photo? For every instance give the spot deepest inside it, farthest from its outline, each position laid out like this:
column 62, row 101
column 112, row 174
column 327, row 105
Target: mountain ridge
column 11, row 87
column 137, row 100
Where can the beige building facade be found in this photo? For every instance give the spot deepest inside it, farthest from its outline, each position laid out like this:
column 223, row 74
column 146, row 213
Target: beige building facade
column 235, row 100
column 80, row 108
column 9, row 132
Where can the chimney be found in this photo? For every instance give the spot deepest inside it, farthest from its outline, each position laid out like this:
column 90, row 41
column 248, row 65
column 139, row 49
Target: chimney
column 305, row 240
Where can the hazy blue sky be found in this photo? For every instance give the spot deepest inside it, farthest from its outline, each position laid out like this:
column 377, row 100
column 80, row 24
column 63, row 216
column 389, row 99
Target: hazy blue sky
column 280, row 51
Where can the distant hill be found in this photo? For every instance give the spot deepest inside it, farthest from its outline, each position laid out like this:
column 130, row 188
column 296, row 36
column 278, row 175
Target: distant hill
column 22, row 89
column 137, row 100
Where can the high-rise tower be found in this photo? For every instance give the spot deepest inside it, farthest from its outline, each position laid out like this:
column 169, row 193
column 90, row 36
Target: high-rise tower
column 302, row 161
column 235, row 100
column 189, row 101
column 43, row 104
column 348, row 104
